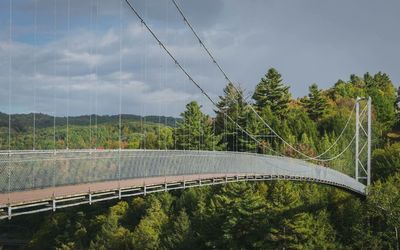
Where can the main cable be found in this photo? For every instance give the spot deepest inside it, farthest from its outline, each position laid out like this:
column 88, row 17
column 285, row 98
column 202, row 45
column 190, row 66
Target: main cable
column 239, row 93
column 341, row 134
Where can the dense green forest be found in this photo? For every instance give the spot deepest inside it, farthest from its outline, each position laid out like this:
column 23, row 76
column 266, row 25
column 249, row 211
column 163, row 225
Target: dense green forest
column 264, row 215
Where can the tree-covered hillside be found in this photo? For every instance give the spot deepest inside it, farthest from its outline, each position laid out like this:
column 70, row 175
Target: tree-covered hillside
column 264, row 215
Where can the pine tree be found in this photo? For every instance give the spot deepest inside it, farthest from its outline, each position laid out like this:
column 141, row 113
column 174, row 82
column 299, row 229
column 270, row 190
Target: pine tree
column 310, row 231
column 233, row 105
column 147, row 235
column 240, row 211
column 315, row 104
column 272, row 93
column 195, row 131
column 111, row 235
column 384, row 205
column 179, row 235
column 383, row 94
column 284, row 198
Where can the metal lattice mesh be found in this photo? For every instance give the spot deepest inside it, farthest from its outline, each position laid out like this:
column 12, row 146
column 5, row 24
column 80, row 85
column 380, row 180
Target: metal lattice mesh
column 4, row 173
column 41, row 169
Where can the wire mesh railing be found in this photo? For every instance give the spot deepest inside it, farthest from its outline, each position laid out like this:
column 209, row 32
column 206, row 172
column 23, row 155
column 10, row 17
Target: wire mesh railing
column 28, row 170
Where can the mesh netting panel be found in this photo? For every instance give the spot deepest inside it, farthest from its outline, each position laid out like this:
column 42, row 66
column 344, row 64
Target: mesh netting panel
column 41, row 169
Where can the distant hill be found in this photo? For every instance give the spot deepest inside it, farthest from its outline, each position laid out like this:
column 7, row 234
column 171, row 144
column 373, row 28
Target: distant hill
column 21, row 122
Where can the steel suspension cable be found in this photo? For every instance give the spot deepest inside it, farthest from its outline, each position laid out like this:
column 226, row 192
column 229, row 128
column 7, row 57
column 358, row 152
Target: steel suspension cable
column 166, row 83
column 9, row 102
column 228, row 79
column 10, row 76
column 96, row 80
column 348, row 145
column 35, row 72
column 120, row 96
column 183, row 69
column 146, row 58
column 91, row 72
column 341, row 134
column 339, row 154
column 54, row 84
column 68, row 70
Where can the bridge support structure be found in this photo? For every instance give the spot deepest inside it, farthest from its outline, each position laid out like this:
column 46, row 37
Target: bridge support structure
column 363, row 138
column 90, row 197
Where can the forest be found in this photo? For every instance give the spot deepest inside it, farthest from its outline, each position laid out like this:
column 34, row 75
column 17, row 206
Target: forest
column 256, row 215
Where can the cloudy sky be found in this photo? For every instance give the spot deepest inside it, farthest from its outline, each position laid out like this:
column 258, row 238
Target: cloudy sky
column 70, row 57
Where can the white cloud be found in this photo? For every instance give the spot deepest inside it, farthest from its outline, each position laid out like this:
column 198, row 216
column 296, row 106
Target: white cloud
column 85, row 58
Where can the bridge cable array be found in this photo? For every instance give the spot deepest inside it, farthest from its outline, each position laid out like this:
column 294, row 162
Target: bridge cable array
column 177, row 63
column 120, row 101
column 316, row 158
column 226, row 77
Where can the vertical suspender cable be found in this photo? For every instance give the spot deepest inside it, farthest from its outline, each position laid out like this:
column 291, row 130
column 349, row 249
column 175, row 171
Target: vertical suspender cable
column 166, row 80
column 236, row 129
column 34, row 81
column 96, row 80
column 10, row 78
column 141, row 138
column 120, row 93
column 34, row 88
column 68, row 70
column 213, row 133
column 186, row 125
column 92, row 163
column 146, row 79
column 226, row 134
column 54, row 98
column 164, row 86
column 91, row 71
column 54, row 75
column 159, row 103
column 9, row 101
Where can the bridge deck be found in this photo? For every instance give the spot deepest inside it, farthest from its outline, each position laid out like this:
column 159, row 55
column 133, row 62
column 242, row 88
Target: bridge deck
column 35, row 177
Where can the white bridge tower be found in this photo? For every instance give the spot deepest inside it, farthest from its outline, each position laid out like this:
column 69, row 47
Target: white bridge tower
column 363, row 138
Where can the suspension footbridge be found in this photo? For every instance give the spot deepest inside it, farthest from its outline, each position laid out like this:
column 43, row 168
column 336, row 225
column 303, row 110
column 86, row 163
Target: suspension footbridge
column 34, row 181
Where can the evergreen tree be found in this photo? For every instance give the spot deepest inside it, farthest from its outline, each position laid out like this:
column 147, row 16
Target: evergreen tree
column 383, row 94
column 315, row 104
column 310, row 231
column 195, row 131
column 148, row 233
column 384, row 206
column 240, row 212
column 233, row 105
column 179, row 235
column 272, row 93
column 110, row 234
column 386, row 161
column 284, row 197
